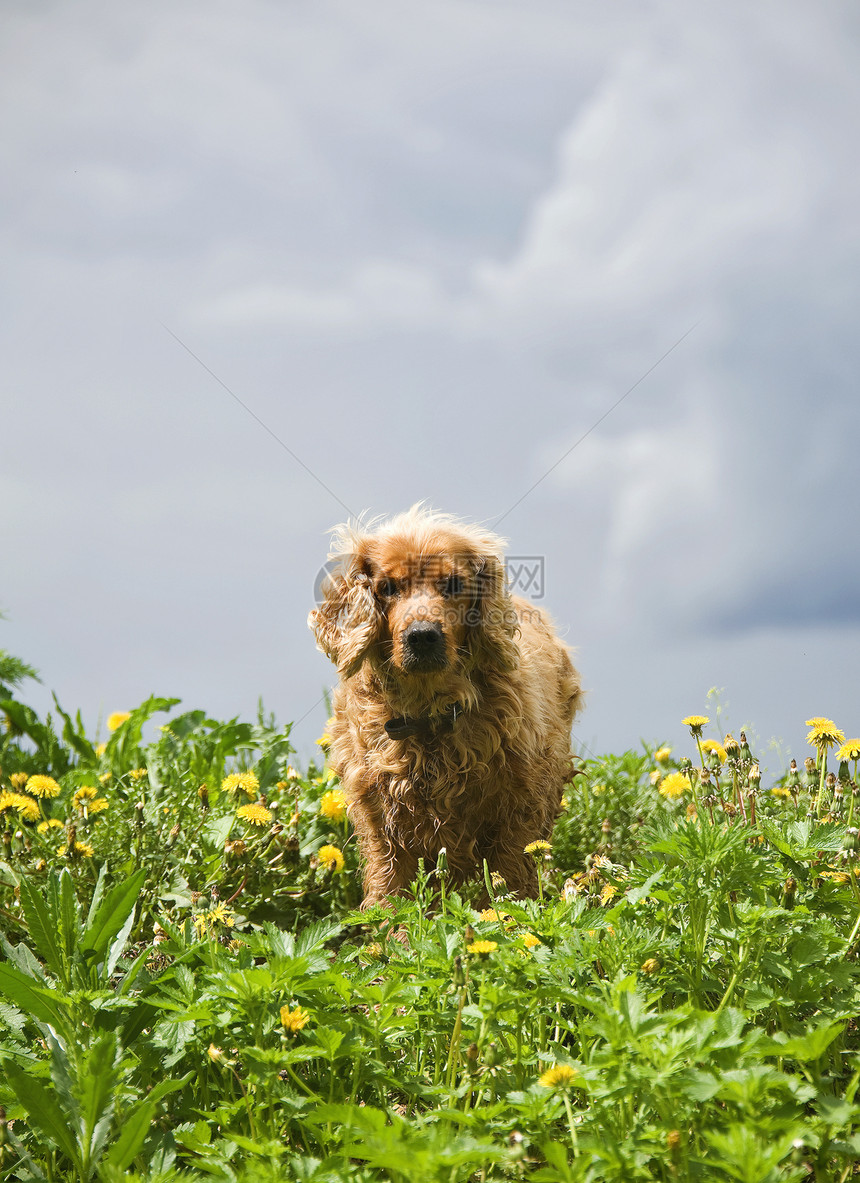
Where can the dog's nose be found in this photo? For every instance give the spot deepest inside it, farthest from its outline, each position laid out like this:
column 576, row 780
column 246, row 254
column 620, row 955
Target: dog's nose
column 424, row 637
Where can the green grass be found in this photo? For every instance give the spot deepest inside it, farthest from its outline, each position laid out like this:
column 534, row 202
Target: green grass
column 187, row 992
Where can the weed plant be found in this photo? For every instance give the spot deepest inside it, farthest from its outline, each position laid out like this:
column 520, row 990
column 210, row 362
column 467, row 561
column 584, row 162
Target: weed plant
column 188, row 989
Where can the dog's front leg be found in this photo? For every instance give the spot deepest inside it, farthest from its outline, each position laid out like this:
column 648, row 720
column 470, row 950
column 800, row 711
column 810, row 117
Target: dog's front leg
column 389, row 867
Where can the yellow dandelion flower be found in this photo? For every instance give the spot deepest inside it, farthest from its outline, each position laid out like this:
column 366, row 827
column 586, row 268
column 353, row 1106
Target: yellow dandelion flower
column 77, row 850
column 655, row 776
column 324, row 741
column 215, row 1054
column 331, row 858
column 598, row 790
column 608, row 893
column 825, row 734
column 42, row 786
column 100, row 749
column 538, row 847
column 836, row 876
column 564, row 802
column 662, row 754
column 117, row 719
column 374, row 950
column 557, row 1078
column 105, row 778
column 294, row 1020
column 245, row 782
column 850, row 750
column 482, row 948
column 781, row 791
column 650, row 966
column 530, row 940
column 257, row 815
column 673, row 786
column 98, row 806
column 18, row 780
column 712, row 745
column 696, row 723
column 333, row 805
column 220, row 915
column 498, row 916
column 42, row 828
column 291, row 773
column 28, row 809
column 84, row 795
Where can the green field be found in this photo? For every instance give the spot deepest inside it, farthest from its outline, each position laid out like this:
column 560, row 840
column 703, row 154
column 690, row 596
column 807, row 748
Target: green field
column 187, row 989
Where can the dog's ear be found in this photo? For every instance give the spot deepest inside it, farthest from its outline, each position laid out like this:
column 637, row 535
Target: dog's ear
column 349, row 619
column 493, row 621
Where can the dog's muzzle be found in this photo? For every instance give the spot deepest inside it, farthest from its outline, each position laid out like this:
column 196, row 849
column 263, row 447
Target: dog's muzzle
column 423, row 644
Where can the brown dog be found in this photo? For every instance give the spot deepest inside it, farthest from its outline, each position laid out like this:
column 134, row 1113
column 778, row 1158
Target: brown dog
column 453, row 714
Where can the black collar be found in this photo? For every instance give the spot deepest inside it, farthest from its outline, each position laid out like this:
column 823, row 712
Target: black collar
column 424, row 725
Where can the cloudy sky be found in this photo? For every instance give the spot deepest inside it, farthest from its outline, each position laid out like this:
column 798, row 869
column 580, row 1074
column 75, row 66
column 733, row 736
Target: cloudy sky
column 266, row 265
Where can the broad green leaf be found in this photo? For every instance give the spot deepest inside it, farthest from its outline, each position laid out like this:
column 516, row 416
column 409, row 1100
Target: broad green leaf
column 129, row 1143
column 43, row 929
column 44, row 1111
column 67, row 915
column 114, row 912
column 95, row 1086
column 38, row 1001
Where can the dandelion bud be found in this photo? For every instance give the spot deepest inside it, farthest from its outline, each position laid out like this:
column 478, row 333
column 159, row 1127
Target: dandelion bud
column 442, row 862
column 469, row 934
column 844, row 774
column 606, row 826
column 732, row 747
column 491, row 1055
column 809, row 765
column 746, row 754
column 789, row 892
column 754, row 776
column 472, row 1057
column 673, row 1140
column 203, row 794
column 174, row 834
column 459, row 977
column 650, row 966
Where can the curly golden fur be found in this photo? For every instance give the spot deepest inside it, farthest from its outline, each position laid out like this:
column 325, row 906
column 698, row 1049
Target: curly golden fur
column 453, row 714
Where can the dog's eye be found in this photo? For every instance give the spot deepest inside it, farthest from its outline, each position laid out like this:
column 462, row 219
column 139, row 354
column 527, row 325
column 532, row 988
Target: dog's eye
column 387, row 588
column 452, row 586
